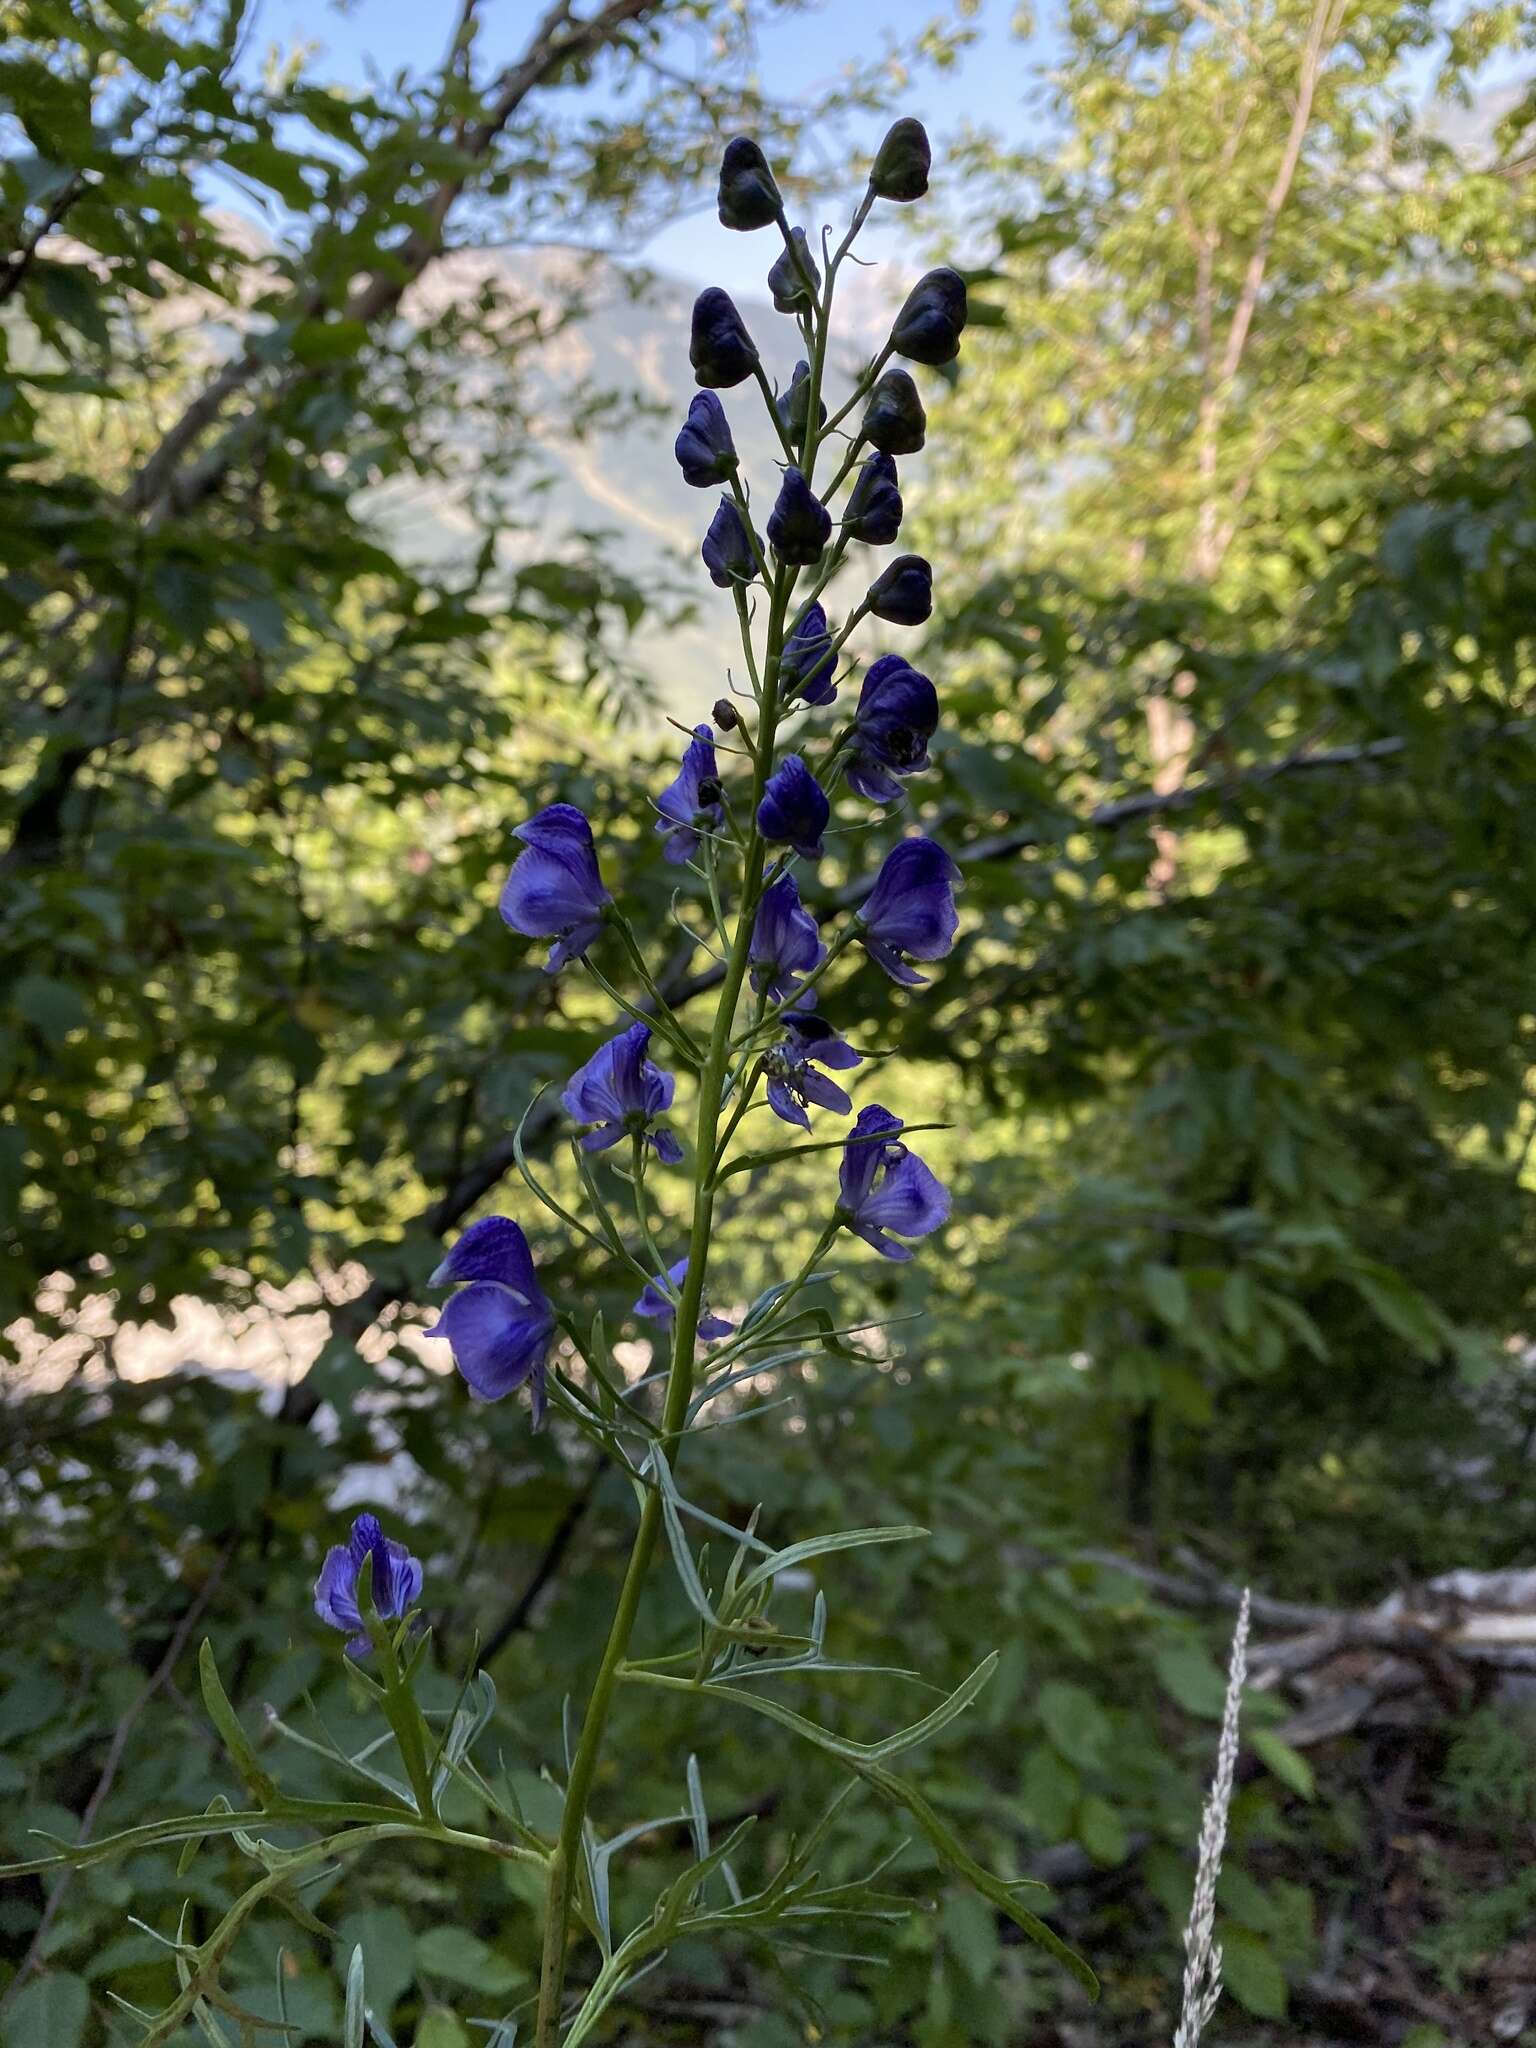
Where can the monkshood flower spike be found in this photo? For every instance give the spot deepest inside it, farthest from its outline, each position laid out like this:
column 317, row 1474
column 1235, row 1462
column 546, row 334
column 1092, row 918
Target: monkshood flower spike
column 500, row 1326
column 658, row 1304
column 394, row 1587
column 911, row 909
column 554, row 890
column 764, row 1031
column 619, row 1093
column 691, row 804
column 884, row 1188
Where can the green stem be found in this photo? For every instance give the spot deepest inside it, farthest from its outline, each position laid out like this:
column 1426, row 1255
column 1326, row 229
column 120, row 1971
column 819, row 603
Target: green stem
column 568, row 1850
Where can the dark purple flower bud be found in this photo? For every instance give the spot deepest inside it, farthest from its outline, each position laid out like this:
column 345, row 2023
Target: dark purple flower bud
column 799, row 526
column 807, row 664
column 501, row 1325
column 898, row 710
column 929, row 325
column 705, row 452
column 785, row 942
column 793, row 1082
column 793, row 406
column 691, row 803
column 395, row 1582
column 894, row 420
column 658, row 1304
column 794, row 279
column 794, row 808
column 911, row 909
column 721, row 350
column 902, row 162
column 619, row 1093
column 873, row 511
column 725, row 714
column 749, row 198
column 902, row 593
column 883, row 1187
column 554, row 889
column 727, row 548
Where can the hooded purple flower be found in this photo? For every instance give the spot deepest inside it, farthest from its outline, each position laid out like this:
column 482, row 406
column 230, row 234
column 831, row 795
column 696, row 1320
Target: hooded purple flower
column 794, row 278
column 911, row 909
column 898, row 710
column 619, row 1091
column 748, row 196
column 705, row 452
column 657, row 1305
column 799, row 526
column 902, row 593
column 794, row 808
column 720, row 349
column 554, row 889
column 793, row 1082
column 395, row 1587
column 873, row 511
column 807, row 665
column 894, row 421
column 501, row 1325
column 883, row 1187
column 793, row 405
column 785, row 942
column 929, row 325
column 727, row 548
column 691, row 803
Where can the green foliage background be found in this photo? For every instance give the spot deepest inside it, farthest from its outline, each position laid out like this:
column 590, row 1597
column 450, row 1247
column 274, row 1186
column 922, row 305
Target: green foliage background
column 1235, row 656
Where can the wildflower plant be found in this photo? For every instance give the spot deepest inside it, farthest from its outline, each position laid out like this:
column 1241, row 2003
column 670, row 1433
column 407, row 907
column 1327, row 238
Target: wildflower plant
column 747, row 816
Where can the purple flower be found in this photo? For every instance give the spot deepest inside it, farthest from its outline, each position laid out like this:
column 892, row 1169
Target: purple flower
column 691, row 802
column 501, row 1325
column 911, row 909
column 657, row 1305
column 902, row 162
column 894, row 420
column 873, row 511
column 785, row 942
column 720, row 349
column 395, row 1587
column 794, row 808
column 705, row 452
column 793, row 405
column 727, row 549
column 748, row 196
column 807, row 665
column 929, row 325
column 903, row 591
column 554, row 889
column 799, row 526
column 793, row 1082
column 898, row 710
column 883, row 1187
column 793, row 283
column 618, row 1092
